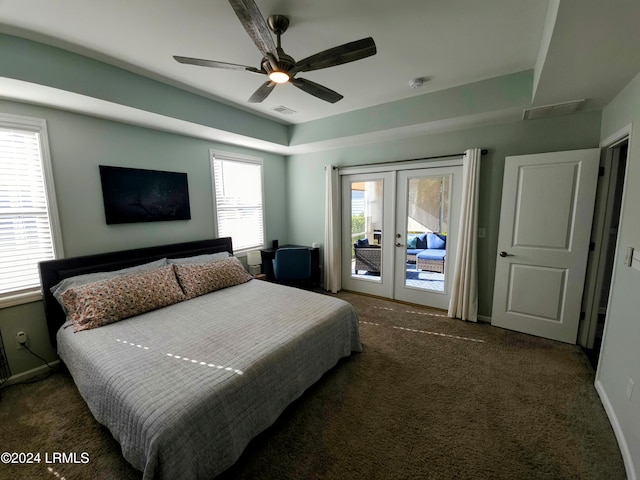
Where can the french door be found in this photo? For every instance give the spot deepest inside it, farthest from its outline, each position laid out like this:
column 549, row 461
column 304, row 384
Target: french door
column 367, row 233
column 389, row 220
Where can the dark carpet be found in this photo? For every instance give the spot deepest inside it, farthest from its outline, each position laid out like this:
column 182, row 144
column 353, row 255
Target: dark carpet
column 428, row 398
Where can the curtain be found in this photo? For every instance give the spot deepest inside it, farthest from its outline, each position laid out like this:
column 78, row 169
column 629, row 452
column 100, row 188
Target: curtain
column 464, row 293
column 332, row 250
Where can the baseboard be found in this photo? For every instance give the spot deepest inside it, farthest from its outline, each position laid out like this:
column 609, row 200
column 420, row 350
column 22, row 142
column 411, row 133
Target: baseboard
column 613, row 420
column 29, row 374
column 484, row 319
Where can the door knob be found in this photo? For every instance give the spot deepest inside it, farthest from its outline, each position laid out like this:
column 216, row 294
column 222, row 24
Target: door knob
column 505, row 254
column 398, row 244
column 398, row 235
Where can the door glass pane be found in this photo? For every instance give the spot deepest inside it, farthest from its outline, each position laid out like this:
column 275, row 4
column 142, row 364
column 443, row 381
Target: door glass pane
column 366, row 229
column 428, row 206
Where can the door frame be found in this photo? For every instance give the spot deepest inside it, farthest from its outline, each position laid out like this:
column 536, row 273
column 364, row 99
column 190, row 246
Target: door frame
column 401, row 165
column 594, row 279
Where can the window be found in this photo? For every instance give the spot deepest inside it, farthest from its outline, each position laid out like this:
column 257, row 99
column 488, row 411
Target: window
column 29, row 231
column 238, row 199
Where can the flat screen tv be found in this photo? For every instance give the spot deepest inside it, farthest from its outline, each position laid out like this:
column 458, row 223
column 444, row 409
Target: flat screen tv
column 134, row 195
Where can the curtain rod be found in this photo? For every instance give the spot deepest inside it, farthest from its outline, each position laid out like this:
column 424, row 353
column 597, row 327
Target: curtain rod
column 484, row 151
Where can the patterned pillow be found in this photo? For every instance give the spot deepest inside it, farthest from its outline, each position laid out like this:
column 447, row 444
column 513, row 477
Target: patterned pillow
column 107, row 301
column 79, row 280
column 201, row 278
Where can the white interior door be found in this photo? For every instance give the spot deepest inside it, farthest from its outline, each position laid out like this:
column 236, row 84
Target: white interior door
column 427, row 201
column 543, row 242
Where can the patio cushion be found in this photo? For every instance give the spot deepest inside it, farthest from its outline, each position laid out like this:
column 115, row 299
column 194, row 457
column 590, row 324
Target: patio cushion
column 435, row 240
column 421, row 241
column 435, row 254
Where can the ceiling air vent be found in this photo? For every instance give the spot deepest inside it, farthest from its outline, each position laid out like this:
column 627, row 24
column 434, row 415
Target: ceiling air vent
column 556, row 110
column 284, row 110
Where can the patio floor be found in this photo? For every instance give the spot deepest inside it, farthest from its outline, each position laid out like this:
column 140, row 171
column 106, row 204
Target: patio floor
column 414, row 278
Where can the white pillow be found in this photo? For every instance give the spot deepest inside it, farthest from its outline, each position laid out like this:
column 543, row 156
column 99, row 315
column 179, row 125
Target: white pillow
column 206, row 258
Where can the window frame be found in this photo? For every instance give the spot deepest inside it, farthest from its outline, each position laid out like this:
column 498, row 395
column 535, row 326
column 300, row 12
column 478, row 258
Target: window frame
column 37, row 125
column 240, row 158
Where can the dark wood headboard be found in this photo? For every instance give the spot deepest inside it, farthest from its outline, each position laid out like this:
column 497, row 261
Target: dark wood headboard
column 53, row 271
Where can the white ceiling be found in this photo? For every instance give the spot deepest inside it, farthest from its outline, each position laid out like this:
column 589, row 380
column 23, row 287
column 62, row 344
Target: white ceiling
column 453, row 42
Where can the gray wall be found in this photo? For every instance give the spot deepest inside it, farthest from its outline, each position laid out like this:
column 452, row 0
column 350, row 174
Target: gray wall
column 306, row 183
column 620, row 357
column 78, row 145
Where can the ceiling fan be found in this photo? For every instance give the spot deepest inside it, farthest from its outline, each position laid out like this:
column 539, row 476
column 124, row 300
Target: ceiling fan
column 276, row 64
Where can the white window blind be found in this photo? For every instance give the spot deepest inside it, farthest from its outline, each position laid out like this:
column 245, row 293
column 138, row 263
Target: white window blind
column 239, row 200
column 26, row 233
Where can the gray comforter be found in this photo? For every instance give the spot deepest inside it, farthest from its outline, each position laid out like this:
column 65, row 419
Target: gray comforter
column 183, row 389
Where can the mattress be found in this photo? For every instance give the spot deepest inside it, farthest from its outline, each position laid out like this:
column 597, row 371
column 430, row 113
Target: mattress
column 183, row 389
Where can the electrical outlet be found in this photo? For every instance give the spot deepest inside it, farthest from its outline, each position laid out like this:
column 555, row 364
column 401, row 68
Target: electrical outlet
column 630, row 386
column 21, row 338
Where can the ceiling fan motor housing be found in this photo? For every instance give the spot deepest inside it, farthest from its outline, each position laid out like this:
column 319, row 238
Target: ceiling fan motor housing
column 278, row 24
column 285, row 62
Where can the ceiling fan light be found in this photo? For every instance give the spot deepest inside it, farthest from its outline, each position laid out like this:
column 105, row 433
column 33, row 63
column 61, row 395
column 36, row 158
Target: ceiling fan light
column 279, row 77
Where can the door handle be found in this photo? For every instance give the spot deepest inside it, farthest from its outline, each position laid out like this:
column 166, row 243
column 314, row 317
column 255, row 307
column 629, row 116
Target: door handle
column 505, row 254
column 398, row 244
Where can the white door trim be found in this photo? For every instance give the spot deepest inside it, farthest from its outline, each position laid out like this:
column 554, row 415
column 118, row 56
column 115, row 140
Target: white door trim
column 617, row 137
column 607, row 188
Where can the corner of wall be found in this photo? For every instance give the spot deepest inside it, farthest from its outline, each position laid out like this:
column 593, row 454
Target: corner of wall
column 547, row 33
column 615, row 425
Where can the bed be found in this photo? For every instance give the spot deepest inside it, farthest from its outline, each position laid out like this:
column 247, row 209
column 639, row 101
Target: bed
column 185, row 387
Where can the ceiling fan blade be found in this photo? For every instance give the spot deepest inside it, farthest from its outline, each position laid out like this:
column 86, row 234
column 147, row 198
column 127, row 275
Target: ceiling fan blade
column 255, row 25
column 349, row 52
column 317, row 90
column 263, row 92
column 214, row 64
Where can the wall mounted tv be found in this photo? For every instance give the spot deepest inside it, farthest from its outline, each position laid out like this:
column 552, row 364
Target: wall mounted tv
column 134, row 195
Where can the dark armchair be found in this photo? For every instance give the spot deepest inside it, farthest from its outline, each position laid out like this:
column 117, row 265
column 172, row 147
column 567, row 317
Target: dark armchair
column 292, row 265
